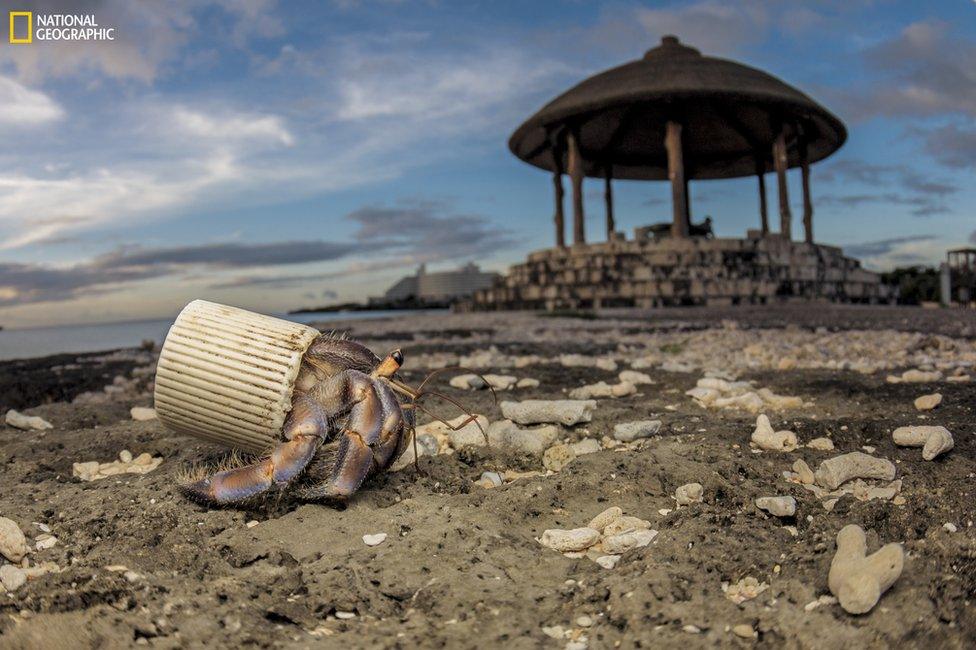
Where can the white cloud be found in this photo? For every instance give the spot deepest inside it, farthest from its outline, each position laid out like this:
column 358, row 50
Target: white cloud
column 404, row 82
column 36, row 209
column 200, row 157
column 907, row 252
column 231, row 127
column 22, row 106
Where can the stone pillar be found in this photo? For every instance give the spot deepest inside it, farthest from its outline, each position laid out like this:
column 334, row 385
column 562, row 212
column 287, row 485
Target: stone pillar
column 608, row 197
column 576, row 176
column 807, row 203
column 763, row 210
column 558, row 194
column 780, row 162
column 945, row 285
column 676, row 173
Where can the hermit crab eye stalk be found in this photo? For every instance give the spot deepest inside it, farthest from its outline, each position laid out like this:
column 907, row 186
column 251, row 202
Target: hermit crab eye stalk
column 389, row 365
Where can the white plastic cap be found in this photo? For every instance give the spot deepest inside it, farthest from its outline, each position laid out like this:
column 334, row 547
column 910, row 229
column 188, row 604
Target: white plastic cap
column 226, row 375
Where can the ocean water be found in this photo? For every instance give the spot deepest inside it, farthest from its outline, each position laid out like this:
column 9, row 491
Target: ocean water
column 44, row 341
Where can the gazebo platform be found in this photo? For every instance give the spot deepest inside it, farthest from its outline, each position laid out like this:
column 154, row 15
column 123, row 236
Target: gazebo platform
column 681, row 271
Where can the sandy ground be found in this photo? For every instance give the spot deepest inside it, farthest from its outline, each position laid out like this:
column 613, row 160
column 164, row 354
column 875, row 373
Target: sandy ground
column 461, row 566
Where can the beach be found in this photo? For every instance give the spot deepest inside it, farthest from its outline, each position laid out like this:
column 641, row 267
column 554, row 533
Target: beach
column 462, row 563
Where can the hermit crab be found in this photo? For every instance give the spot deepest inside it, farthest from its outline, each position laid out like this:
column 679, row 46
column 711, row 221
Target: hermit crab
column 349, row 417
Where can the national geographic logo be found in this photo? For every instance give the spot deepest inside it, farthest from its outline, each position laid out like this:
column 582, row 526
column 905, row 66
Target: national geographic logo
column 26, row 27
column 21, row 22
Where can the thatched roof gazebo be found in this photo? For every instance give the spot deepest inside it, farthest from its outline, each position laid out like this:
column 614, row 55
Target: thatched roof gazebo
column 678, row 115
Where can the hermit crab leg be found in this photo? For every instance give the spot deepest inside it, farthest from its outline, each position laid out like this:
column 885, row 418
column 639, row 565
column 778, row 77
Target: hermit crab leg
column 306, row 429
column 370, row 440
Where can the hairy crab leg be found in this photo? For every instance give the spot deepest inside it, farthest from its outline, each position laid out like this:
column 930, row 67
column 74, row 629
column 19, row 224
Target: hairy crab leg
column 306, row 428
column 371, row 439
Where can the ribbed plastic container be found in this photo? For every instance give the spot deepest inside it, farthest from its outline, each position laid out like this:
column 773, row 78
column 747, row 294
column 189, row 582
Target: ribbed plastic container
column 226, row 375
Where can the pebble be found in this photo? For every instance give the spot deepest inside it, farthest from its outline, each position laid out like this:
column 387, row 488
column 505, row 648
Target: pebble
column 527, row 382
column 470, row 435
column 821, row 444
column 623, row 542
column 26, row 422
column 689, row 493
column 494, row 479
column 577, row 539
column 565, row 412
column 93, row 470
column 625, row 524
column 784, row 506
column 857, row 579
column 501, row 382
column 427, row 445
column 915, row 376
column 125, row 456
column 608, row 561
column 586, row 446
column 345, row 616
column 603, row 389
column 375, row 539
column 949, row 527
column 933, row 440
column 744, row 630
column 557, row 457
column 554, row 631
column 13, row 544
column 634, row 377
column 464, row 382
column 532, row 442
column 835, row 471
column 630, row 431
column 722, row 393
column 584, row 621
column 765, row 438
column 745, row 589
column 803, row 471
column 45, row 541
column 605, row 518
column 252, row 523
column 142, row 413
column 12, row 578
column 928, row 402
column 606, row 364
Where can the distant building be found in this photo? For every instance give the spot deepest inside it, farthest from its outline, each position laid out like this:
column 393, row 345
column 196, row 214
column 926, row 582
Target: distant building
column 441, row 286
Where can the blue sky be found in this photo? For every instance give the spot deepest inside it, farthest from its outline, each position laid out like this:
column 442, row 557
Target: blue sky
column 278, row 155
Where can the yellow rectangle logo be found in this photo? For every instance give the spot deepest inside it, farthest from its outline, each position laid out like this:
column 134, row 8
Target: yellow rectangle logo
column 23, row 40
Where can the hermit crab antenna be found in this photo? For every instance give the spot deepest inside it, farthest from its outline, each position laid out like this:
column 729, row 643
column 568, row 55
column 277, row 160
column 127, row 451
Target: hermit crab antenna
column 434, row 373
column 419, row 393
column 471, row 417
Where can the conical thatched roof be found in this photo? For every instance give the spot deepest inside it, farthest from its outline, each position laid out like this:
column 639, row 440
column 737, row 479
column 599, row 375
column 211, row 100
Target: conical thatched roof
column 730, row 114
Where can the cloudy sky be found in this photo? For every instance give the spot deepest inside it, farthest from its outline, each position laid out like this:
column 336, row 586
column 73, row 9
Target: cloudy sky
column 278, row 155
